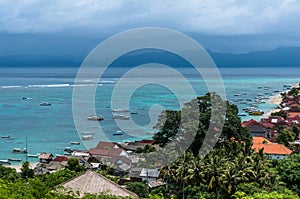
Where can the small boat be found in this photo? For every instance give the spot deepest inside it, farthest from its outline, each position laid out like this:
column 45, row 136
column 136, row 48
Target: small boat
column 256, row 112
column 118, row 133
column 4, row 162
column 87, row 137
column 259, row 87
column 133, row 113
column 242, row 115
column 5, row 136
column 68, row 150
column 121, row 117
column 26, row 98
column 45, row 104
column 95, row 117
column 15, row 159
column 237, row 94
column 120, row 110
column 33, row 155
column 75, row 143
column 18, row 150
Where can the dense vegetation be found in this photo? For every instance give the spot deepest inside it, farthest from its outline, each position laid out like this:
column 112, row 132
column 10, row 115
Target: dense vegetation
column 231, row 170
column 15, row 186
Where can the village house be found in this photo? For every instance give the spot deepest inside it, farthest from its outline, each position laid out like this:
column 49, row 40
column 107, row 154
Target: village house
column 255, row 128
column 93, row 183
column 45, row 158
column 272, row 150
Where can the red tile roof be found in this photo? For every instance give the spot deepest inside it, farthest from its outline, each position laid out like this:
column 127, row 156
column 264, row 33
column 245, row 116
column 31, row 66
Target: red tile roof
column 102, row 152
column 61, row 159
column 272, row 149
column 105, row 145
column 247, row 123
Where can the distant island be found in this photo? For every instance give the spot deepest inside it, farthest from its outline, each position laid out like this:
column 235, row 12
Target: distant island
column 280, row 57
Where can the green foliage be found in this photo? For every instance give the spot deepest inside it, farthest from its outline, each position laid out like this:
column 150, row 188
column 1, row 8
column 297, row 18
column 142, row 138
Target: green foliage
column 26, row 171
column 287, row 194
column 294, row 92
column 285, row 136
column 169, row 122
column 280, row 113
column 139, row 188
column 8, row 173
column 289, row 172
column 73, row 164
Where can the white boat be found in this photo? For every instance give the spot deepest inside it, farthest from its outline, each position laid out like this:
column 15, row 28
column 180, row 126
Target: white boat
column 120, row 110
column 121, row 117
column 33, row 155
column 4, row 162
column 18, row 150
column 95, row 117
column 118, row 133
column 5, row 136
column 87, row 137
column 45, row 104
column 75, row 143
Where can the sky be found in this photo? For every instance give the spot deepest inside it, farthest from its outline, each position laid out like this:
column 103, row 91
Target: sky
column 224, row 26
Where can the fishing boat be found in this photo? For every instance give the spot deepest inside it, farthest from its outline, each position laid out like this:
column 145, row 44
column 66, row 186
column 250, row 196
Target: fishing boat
column 18, row 150
column 45, row 104
column 242, row 115
column 256, row 112
column 5, row 136
column 68, row 150
column 33, row 155
column 26, row 98
column 120, row 110
column 87, row 137
column 133, row 113
column 4, row 162
column 15, row 159
column 238, row 94
column 118, row 133
column 121, row 117
column 75, row 143
column 95, row 117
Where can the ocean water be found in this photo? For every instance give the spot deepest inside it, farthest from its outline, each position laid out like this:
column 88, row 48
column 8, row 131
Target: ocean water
column 51, row 128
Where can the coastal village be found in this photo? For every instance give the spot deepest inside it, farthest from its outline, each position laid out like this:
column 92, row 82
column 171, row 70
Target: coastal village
column 277, row 135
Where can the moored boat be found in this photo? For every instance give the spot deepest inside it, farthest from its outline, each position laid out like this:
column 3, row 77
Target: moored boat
column 15, row 159
column 18, row 150
column 45, row 104
column 5, row 136
column 33, row 155
column 95, row 117
column 256, row 112
column 75, row 143
column 87, row 137
column 121, row 117
column 120, row 110
column 4, row 162
column 118, row 133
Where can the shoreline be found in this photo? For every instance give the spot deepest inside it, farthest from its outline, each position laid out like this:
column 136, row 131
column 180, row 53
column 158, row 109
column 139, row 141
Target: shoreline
column 18, row 167
column 276, row 100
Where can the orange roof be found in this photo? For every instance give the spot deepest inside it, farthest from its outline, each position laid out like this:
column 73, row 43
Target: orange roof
column 260, row 140
column 247, row 123
column 293, row 114
column 273, row 148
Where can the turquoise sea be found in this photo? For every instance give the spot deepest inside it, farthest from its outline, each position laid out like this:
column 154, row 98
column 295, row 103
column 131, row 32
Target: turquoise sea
column 51, row 128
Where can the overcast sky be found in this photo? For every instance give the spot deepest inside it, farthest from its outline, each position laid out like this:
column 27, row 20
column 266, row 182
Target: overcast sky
column 267, row 23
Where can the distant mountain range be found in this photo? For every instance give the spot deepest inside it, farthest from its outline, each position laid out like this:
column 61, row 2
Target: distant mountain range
column 280, row 57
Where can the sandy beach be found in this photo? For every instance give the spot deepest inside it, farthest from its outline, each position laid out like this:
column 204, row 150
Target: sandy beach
column 276, row 99
column 18, row 167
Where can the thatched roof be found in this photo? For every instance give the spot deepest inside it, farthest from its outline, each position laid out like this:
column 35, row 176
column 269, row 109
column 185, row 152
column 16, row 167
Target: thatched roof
column 94, row 183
